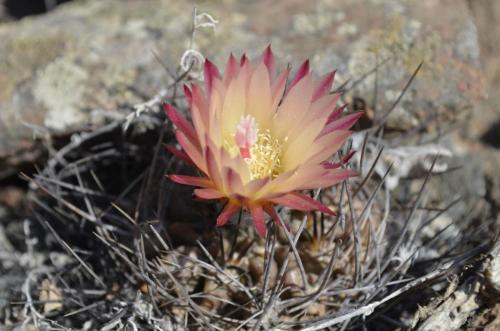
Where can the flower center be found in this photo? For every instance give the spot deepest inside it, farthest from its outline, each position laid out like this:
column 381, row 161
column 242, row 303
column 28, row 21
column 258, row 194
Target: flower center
column 259, row 149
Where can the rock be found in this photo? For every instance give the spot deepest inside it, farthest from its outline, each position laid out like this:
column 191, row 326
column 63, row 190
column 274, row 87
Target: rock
column 98, row 55
column 466, row 182
column 471, row 302
column 454, row 311
column 486, row 123
column 492, row 272
column 486, row 14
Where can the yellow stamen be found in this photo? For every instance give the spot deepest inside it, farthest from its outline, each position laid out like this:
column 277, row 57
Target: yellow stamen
column 265, row 155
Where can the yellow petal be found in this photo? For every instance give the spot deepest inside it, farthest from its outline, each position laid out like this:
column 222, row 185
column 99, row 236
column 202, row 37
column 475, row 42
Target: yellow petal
column 294, row 107
column 259, row 97
column 234, row 106
column 278, row 88
column 213, row 168
column 237, row 163
column 233, row 181
column 191, row 150
column 326, row 146
column 215, row 108
column 292, row 180
column 198, row 123
column 297, row 147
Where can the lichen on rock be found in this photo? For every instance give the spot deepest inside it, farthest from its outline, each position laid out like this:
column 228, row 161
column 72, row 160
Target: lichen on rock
column 60, row 88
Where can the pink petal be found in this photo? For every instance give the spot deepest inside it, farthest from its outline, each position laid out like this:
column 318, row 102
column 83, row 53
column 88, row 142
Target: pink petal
column 181, row 123
column 191, row 150
column 293, row 108
column 245, row 72
column 336, row 113
column 234, row 105
column 268, row 59
column 210, row 72
column 255, row 185
column 301, row 202
column 344, row 123
column 259, row 220
column 335, row 165
column 215, row 108
column 259, row 99
column 179, row 154
column 348, row 157
column 233, row 181
column 208, row 193
column 229, row 210
column 308, row 128
column 332, row 177
column 236, row 164
column 188, row 94
column 326, row 145
column 274, row 215
column 231, row 70
column 199, row 98
column 213, row 167
column 314, row 119
column 322, row 108
column 324, row 86
column 190, row 180
column 292, row 180
column 301, row 73
column 199, row 111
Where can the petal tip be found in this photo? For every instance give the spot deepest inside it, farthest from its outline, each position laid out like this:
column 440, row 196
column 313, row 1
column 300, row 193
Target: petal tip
column 301, row 73
column 210, row 72
column 268, row 59
column 243, row 60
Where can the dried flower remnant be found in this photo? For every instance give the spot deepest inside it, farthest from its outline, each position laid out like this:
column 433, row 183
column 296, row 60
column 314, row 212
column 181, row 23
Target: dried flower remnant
column 258, row 142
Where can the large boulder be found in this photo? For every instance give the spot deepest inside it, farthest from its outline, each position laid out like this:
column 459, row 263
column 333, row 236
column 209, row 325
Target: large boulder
column 60, row 72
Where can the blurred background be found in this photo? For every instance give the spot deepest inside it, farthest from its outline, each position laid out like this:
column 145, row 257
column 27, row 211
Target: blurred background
column 70, row 67
column 65, row 63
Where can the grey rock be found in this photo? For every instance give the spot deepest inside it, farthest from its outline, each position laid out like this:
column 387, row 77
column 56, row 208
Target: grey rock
column 86, row 55
column 492, row 271
column 453, row 312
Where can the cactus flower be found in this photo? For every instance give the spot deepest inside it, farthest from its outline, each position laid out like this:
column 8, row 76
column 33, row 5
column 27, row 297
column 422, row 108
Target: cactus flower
column 260, row 142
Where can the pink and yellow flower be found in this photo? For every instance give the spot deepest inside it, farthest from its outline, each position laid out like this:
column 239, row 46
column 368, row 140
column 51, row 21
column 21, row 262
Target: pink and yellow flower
column 258, row 141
